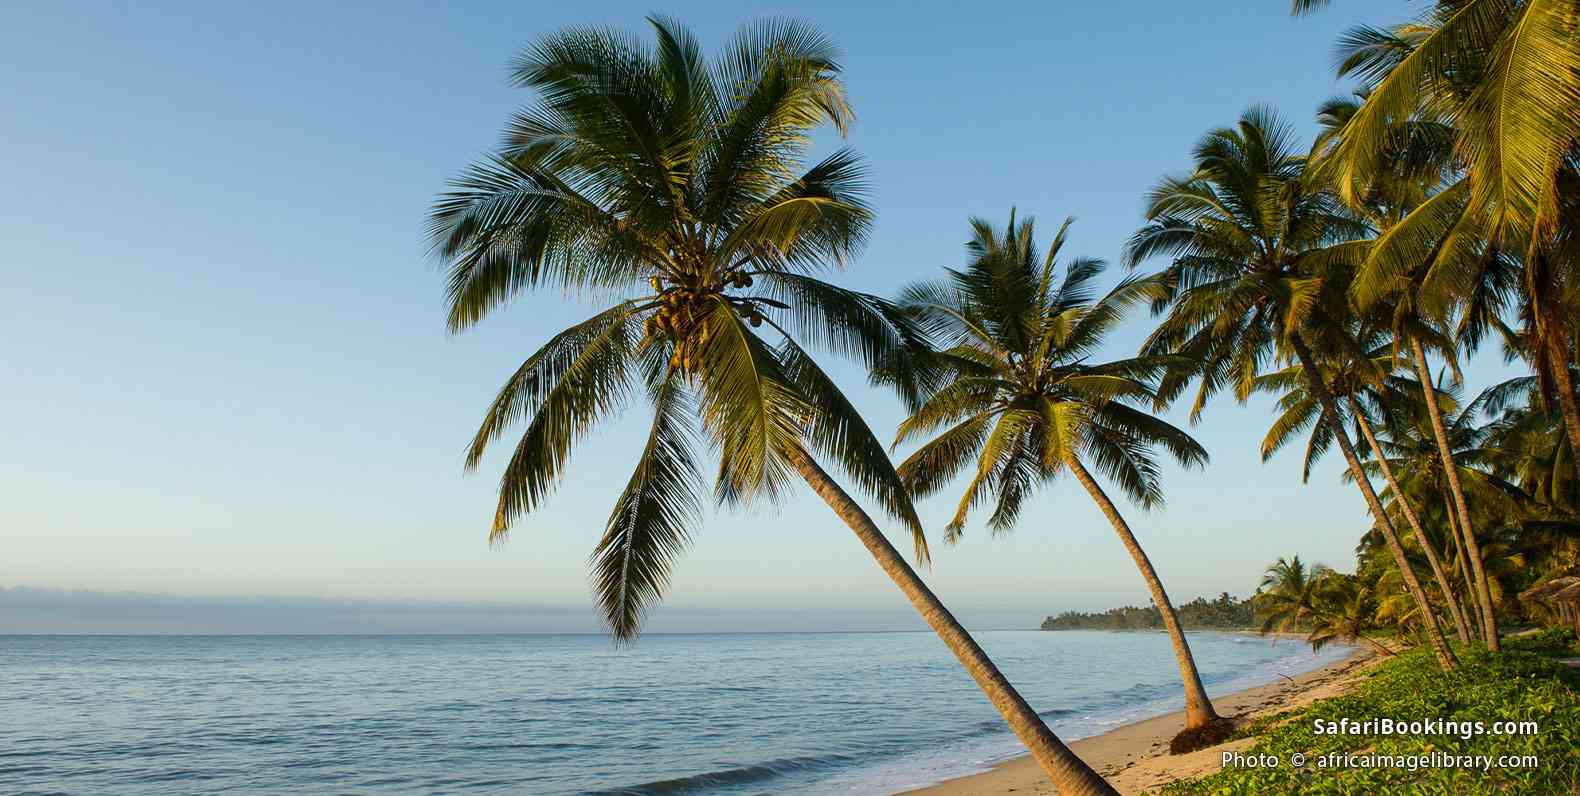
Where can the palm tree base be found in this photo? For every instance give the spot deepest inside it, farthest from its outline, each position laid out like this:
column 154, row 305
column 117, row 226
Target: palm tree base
column 1214, row 732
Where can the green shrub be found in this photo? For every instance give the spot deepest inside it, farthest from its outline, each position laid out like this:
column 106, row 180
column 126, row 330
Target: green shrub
column 1514, row 685
column 1550, row 641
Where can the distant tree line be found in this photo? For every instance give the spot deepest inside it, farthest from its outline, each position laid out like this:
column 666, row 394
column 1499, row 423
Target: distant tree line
column 1224, row 613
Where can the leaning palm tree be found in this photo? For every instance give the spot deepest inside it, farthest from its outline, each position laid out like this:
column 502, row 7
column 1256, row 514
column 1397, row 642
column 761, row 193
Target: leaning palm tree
column 1345, row 612
column 1501, row 71
column 1456, row 489
column 1501, row 74
column 673, row 187
column 1257, row 261
column 1287, row 597
column 1020, row 402
column 1421, row 290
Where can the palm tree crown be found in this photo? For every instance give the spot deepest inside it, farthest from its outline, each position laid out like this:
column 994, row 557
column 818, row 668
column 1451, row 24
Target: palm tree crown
column 1501, row 72
column 669, row 184
column 1345, row 611
column 1020, row 397
column 1288, row 594
column 1249, row 248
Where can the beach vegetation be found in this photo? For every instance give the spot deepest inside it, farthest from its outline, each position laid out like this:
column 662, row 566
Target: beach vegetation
column 1514, row 685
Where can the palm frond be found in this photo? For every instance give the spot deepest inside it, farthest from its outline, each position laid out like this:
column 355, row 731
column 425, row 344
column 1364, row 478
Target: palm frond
column 836, row 430
column 1127, row 462
column 1150, row 430
column 1359, row 156
column 945, row 456
column 649, row 527
column 1014, row 484
column 506, row 228
column 820, row 217
column 749, row 408
column 594, row 383
column 1520, row 123
column 1003, row 442
column 855, row 325
column 533, row 382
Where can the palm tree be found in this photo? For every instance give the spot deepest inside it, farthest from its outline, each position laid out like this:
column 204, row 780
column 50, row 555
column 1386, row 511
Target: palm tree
column 1345, row 611
column 1287, row 596
column 1351, row 383
column 651, row 172
column 1021, row 403
column 1500, row 74
column 1456, row 490
column 1453, row 276
column 1251, row 251
column 1528, row 448
column 1410, row 445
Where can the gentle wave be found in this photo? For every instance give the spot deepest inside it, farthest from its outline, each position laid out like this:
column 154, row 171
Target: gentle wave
column 728, row 776
column 722, row 715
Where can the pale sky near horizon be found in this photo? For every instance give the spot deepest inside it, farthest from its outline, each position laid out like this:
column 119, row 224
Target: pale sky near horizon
column 225, row 370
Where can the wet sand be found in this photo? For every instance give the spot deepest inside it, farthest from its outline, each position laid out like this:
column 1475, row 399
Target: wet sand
column 1135, row 759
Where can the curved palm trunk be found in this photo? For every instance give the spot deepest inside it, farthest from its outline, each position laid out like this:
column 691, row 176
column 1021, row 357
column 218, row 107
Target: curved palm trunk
column 1454, row 609
column 1464, row 565
column 1330, row 409
column 1489, row 622
column 1564, row 386
column 1198, row 708
column 1069, row 773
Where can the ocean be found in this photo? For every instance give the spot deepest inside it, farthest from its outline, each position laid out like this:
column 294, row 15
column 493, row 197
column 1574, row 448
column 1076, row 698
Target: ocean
column 845, row 713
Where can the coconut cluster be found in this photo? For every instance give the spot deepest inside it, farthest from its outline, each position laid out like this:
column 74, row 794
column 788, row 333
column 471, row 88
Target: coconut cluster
column 681, row 313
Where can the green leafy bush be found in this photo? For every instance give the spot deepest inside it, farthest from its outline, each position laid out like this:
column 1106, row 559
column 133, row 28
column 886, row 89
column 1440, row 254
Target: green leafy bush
column 1514, row 685
column 1551, row 641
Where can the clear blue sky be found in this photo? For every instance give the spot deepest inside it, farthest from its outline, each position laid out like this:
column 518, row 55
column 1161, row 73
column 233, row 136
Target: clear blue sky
column 223, row 364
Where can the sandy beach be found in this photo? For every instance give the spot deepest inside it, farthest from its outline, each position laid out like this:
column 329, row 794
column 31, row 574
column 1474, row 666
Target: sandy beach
column 1135, row 759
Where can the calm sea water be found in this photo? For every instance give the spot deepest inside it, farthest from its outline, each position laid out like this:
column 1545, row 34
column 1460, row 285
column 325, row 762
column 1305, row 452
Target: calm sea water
column 858, row 713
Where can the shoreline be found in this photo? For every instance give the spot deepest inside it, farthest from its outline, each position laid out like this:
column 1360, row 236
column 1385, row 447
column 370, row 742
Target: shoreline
column 1134, row 757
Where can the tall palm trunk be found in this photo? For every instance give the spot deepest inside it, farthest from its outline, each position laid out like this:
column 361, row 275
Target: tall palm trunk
column 1464, row 565
column 1454, row 609
column 1330, row 409
column 1489, row 621
column 1558, row 363
column 1069, row 773
column 1198, row 708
